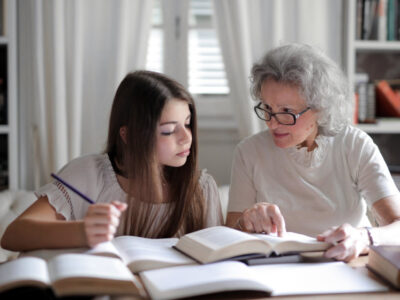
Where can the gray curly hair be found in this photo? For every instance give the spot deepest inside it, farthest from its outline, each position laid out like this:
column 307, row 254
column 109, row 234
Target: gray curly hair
column 320, row 80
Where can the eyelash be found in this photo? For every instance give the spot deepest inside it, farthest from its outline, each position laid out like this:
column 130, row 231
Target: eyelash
column 170, row 133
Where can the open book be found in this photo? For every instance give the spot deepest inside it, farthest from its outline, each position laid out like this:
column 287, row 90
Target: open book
column 137, row 253
column 220, row 242
column 71, row 274
column 274, row 280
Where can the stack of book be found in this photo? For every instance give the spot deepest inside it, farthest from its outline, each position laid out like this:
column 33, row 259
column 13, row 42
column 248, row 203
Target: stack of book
column 378, row 20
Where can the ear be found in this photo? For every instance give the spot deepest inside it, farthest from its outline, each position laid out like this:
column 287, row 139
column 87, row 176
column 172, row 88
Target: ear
column 122, row 133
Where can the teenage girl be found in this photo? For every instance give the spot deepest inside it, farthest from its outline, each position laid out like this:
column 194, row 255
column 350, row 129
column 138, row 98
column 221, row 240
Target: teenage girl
column 146, row 183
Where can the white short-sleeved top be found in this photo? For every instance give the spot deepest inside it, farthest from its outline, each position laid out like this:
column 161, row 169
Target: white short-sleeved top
column 315, row 190
column 94, row 176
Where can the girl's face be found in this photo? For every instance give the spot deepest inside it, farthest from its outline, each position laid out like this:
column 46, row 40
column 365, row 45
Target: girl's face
column 280, row 97
column 174, row 135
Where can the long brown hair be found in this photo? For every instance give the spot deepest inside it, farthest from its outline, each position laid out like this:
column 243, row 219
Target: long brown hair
column 138, row 104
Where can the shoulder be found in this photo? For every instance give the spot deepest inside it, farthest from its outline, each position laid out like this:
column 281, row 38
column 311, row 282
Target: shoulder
column 354, row 139
column 206, row 181
column 255, row 143
column 88, row 170
column 92, row 165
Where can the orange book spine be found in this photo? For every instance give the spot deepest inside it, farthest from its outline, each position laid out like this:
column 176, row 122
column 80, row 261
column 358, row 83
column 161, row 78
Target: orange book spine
column 388, row 100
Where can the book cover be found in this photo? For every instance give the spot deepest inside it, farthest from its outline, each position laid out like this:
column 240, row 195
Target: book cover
column 385, row 260
column 388, row 104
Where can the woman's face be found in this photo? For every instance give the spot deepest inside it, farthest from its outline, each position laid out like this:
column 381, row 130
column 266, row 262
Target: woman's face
column 281, row 97
column 174, row 135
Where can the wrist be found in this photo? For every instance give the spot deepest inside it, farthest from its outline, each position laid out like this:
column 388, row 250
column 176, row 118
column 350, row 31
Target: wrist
column 371, row 241
column 238, row 225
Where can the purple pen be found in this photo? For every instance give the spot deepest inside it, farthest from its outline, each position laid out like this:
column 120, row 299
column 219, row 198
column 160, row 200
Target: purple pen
column 84, row 197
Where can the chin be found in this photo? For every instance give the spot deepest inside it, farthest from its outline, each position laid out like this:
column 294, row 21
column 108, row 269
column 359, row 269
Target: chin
column 175, row 164
column 282, row 145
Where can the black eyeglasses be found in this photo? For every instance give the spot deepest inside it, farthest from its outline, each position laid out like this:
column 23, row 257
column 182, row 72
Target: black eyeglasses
column 284, row 118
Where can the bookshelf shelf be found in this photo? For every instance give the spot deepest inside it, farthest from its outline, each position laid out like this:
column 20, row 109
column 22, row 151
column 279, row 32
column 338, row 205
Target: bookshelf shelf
column 382, row 126
column 372, row 60
column 372, row 46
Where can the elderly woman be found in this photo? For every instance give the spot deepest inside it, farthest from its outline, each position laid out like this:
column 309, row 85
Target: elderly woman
column 311, row 172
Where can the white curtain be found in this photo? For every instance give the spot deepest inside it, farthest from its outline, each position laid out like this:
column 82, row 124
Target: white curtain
column 72, row 55
column 248, row 29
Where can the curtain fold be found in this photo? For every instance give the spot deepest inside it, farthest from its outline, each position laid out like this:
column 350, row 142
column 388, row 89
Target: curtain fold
column 248, row 29
column 73, row 54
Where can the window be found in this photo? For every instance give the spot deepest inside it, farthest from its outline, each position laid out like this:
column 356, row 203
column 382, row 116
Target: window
column 184, row 45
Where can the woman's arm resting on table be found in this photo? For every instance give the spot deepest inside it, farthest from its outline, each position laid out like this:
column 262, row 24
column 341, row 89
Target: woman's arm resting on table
column 261, row 217
column 350, row 242
column 40, row 227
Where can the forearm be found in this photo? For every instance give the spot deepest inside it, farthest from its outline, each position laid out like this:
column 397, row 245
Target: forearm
column 31, row 234
column 387, row 235
column 232, row 219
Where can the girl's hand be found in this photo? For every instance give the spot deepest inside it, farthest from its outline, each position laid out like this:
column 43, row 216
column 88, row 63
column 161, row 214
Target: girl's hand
column 101, row 222
column 349, row 242
column 262, row 217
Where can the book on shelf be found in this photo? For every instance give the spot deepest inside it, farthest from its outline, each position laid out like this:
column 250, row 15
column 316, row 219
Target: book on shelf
column 382, row 20
column 136, row 253
column 385, row 261
column 361, row 87
column 220, row 242
column 371, row 103
column 392, row 11
column 388, row 101
column 377, row 20
column 70, row 275
column 272, row 280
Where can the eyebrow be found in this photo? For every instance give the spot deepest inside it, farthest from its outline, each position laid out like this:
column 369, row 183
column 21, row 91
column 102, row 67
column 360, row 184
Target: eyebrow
column 174, row 122
column 279, row 106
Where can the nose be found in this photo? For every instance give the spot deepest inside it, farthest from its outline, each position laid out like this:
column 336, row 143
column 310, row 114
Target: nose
column 186, row 136
column 273, row 123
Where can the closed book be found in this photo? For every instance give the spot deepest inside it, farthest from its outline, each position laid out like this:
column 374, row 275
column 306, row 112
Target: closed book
column 388, row 104
column 385, row 260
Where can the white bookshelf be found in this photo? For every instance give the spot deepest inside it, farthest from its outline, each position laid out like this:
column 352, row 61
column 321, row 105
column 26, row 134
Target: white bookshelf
column 9, row 40
column 352, row 47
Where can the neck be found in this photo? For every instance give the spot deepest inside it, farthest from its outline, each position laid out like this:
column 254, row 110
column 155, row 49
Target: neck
column 310, row 143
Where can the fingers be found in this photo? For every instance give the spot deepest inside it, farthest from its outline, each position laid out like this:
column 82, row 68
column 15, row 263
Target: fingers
column 101, row 222
column 348, row 242
column 120, row 205
column 277, row 220
column 263, row 217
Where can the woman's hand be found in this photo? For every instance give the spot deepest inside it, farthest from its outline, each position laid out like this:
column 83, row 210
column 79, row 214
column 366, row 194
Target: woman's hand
column 101, row 222
column 349, row 242
column 262, row 217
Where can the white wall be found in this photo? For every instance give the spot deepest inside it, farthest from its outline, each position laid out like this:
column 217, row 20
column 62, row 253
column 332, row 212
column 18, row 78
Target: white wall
column 216, row 148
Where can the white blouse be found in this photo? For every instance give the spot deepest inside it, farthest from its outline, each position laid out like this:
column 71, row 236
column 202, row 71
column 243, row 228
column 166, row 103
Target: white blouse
column 94, row 176
column 315, row 190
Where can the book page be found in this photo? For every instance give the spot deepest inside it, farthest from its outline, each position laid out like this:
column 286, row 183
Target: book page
column 218, row 237
column 145, row 254
column 48, row 254
column 83, row 265
column 293, row 242
column 105, row 249
column 315, row 278
column 22, row 271
column 188, row 281
column 82, row 274
column 220, row 242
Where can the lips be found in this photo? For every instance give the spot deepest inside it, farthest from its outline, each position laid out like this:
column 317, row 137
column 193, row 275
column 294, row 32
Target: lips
column 184, row 153
column 280, row 135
